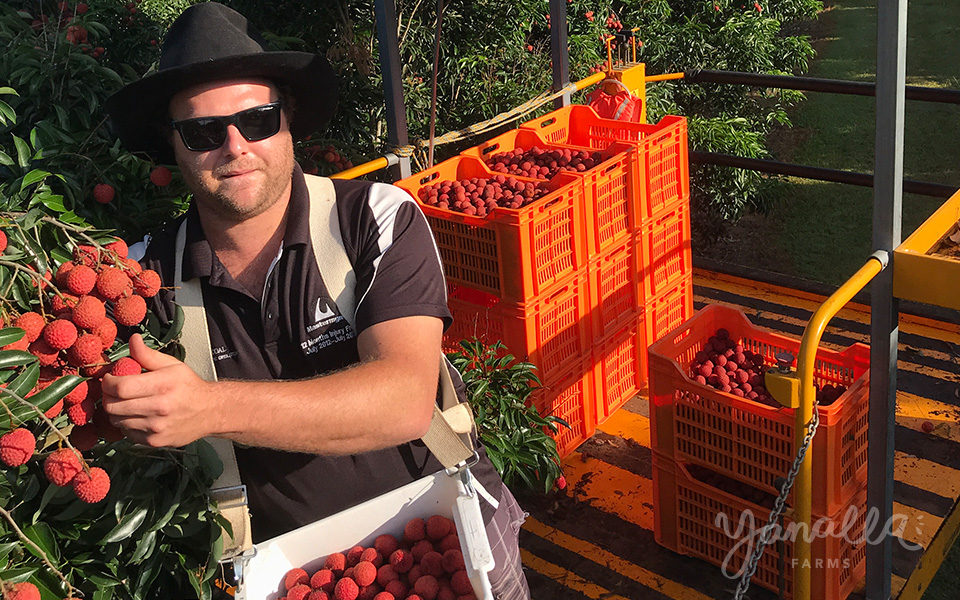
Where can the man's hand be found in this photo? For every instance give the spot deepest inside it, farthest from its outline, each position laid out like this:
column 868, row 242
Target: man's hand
column 167, row 405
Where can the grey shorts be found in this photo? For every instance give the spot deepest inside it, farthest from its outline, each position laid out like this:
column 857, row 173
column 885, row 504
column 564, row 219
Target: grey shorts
column 503, row 531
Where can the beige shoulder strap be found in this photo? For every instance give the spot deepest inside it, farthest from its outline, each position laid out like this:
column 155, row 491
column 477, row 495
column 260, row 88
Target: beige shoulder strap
column 449, row 435
column 227, row 490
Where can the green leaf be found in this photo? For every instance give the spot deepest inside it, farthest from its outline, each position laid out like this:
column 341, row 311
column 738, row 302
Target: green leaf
column 127, row 525
column 5, row 159
column 42, row 535
column 23, row 383
column 144, row 548
column 9, row 335
column 176, row 326
column 9, row 116
column 23, row 152
column 33, row 177
column 54, row 202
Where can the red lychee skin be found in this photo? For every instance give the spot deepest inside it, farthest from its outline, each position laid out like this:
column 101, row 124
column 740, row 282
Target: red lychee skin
column 3, row 242
column 161, row 176
column 62, row 466
column 318, row 595
column 62, row 305
column 397, row 587
column 439, row 527
column 91, row 488
column 295, row 577
column 104, row 428
column 80, row 414
column 385, row 544
column 413, row 574
column 445, row 592
column 88, row 312
column 450, row 542
column 21, row 344
column 346, row 589
column 386, row 574
column 22, row 591
column 60, row 334
column 420, row 549
column 17, row 447
column 384, row 596
column 130, row 311
column 126, row 366
column 46, row 354
column 32, row 323
column 460, row 583
column 98, row 369
column 368, row 592
column 402, row 560
column 84, row 437
column 86, row 255
column 107, row 332
column 119, row 247
column 298, row 592
column 453, row 561
column 324, row 579
column 427, row 587
column 77, row 394
column 87, row 350
column 364, row 573
column 353, row 555
column 103, row 193
column 113, row 283
column 54, row 410
column 81, row 279
column 372, row 555
column 146, row 283
column 336, row 562
column 62, row 271
column 414, row 531
column 133, row 267
column 432, row 564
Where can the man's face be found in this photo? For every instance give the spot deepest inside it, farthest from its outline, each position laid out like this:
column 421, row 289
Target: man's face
column 240, row 179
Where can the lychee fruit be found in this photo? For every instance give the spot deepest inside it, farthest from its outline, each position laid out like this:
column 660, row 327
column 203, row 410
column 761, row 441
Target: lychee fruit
column 88, row 312
column 81, row 279
column 415, row 530
column 427, row 587
column 91, row 488
column 396, row 587
column 84, row 437
column 460, row 583
column 62, row 466
column 402, row 560
column 62, row 305
column 126, row 366
column 118, row 247
column 432, row 564
column 103, row 193
column 62, row 272
column 927, row 426
column 318, row 595
column 420, row 549
column 132, row 266
column 298, row 592
column 324, row 579
column 161, row 176
column 3, row 242
column 295, row 577
column 77, row 394
column 113, row 283
column 82, row 412
column 353, row 555
column 336, row 562
column 21, row 591
column 450, row 542
column 453, row 561
column 32, row 323
column 346, row 589
column 364, row 573
column 107, row 332
column 439, row 527
column 17, row 447
column 45, row 353
column 130, row 311
column 87, row 350
column 147, row 283
column 386, row 574
column 385, row 544
column 104, row 428
column 60, row 334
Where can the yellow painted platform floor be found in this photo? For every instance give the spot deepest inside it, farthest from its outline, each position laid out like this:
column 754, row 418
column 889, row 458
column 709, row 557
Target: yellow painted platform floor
column 596, row 540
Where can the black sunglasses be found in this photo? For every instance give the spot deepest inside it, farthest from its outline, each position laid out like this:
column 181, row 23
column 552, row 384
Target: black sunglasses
column 208, row 133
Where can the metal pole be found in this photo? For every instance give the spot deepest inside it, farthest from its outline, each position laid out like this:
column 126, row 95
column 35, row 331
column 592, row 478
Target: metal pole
column 558, row 50
column 884, row 332
column 385, row 13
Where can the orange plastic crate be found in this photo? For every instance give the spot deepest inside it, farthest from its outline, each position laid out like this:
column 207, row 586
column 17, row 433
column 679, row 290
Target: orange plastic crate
column 552, row 331
column 514, row 254
column 665, row 250
column 569, row 395
column 661, row 169
column 621, row 362
column 669, row 309
column 749, row 441
column 685, row 513
column 615, row 289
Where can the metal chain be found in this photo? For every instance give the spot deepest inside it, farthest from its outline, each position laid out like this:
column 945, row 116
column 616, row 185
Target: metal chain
column 778, row 507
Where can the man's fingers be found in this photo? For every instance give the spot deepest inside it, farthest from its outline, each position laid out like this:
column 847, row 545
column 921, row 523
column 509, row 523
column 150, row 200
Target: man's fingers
column 149, row 359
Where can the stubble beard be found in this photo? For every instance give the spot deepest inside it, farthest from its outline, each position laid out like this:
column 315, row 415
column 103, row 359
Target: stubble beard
column 226, row 206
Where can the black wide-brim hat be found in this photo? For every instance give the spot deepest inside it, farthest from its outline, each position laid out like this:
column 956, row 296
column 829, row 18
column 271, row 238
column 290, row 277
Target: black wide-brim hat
column 211, row 42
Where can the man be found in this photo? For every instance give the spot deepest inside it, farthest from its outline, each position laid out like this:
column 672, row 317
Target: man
column 326, row 416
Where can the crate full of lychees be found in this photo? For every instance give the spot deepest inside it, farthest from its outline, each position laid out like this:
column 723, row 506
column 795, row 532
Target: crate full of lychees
column 424, row 540
column 710, row 407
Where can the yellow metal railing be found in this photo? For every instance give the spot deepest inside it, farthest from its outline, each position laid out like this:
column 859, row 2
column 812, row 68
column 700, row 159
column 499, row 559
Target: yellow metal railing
column 801, row 394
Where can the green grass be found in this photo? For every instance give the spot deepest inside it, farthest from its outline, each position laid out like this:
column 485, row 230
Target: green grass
column 824, row 231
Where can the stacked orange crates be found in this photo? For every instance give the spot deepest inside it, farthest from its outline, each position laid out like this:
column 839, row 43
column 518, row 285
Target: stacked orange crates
column 715, row 454
column 638, row 239
column 563, row 281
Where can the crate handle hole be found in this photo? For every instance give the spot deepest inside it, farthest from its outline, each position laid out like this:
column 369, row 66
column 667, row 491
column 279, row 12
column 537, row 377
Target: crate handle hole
column 490, row 149
column 548, row 122
column 429, row 178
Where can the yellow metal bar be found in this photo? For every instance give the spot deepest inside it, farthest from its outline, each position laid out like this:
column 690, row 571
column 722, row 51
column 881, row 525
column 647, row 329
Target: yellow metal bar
column 933, row 557
column 806, row 362
column 592, row 80
column 665, row 77
column 364, row 169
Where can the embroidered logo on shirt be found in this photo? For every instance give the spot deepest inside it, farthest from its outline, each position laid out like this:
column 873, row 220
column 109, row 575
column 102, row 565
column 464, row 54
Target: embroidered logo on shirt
column 324, row 316
column 222, row 353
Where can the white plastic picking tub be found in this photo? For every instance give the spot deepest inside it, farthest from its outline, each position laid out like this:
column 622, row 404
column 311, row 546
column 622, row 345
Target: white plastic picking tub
column 308, row 546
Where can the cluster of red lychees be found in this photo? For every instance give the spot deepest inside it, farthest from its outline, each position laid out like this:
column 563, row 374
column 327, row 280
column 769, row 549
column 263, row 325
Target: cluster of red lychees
column 543, row 163
column 480, row 195
column 724, row 364
column 425, row 564
column 70, row 335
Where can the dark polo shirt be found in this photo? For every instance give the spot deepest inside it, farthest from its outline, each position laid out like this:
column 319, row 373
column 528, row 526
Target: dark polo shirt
column 296, row 331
